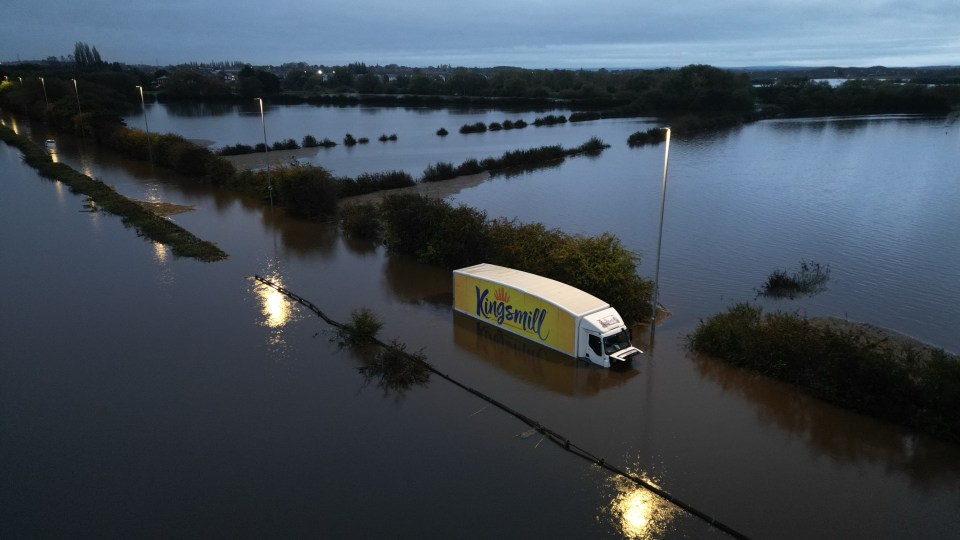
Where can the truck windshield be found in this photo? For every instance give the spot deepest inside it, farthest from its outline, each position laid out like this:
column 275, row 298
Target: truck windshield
column 616, row 342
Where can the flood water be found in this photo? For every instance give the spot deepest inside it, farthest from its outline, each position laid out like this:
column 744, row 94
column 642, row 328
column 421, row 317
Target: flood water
column 143, row 395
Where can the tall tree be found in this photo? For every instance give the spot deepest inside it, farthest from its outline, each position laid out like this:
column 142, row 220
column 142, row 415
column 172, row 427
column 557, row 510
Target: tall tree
column 85, row 57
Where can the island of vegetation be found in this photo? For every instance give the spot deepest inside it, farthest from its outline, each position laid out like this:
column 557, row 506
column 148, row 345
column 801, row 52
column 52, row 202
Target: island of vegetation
column 853, row 365
column 143, row 217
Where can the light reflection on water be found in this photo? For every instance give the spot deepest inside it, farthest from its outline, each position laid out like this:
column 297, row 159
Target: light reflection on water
column 274, row 306
column 160, row 252
column 276, row 309
column 637, row 512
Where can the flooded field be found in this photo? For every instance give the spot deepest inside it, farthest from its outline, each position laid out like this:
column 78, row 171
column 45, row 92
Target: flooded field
column 146, row 395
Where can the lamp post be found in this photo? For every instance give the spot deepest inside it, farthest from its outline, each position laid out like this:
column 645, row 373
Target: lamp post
column 663, row 200
column 44, row 85
column 76, row 91
column 266, row 150
column 146, row 125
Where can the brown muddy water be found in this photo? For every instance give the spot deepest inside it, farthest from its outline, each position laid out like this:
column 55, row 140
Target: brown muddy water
column 143, row 395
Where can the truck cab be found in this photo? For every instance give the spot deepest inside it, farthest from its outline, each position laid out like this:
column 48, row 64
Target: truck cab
column 605, row 340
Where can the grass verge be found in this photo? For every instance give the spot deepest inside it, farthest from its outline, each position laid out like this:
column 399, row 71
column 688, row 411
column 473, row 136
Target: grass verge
column 131, row 213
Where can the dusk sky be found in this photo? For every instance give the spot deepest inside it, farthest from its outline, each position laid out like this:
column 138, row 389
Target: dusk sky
column 524, row 33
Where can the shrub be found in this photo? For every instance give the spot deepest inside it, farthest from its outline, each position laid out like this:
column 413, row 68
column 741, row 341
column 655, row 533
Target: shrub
column 442, row 132
column 438, row 171
column 809, row 280
column 348, row 140
column 362, row 221
column 478, row 127
column 592, row 146
column 363, row 140
column 550, row 120
column 235, row 150
column 371, row 182
column 650, row 136
column 496, row 126
column 362, row 329
column 850, row 365
column 470, row 166
column 395, row 369
column 286, row 144
column 309, row 141
column 584, row 116
column 306, row 192
column 408, row 221
column 435, row 232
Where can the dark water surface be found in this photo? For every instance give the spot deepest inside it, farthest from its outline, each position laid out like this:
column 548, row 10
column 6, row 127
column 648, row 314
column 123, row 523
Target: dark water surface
column 143, row 395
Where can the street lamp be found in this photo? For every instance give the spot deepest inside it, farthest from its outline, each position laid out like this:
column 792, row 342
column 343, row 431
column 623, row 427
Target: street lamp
column 266, row 150
column 663, row 200
column 44, row 85
column 79, row 110
column 143, row 106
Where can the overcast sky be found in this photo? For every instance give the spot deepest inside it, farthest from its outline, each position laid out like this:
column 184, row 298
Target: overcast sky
column 480, row 33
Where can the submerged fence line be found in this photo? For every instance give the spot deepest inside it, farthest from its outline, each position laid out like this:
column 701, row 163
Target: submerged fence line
column 549, row 434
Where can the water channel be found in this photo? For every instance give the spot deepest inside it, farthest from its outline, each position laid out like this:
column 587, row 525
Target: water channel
column 145, row 395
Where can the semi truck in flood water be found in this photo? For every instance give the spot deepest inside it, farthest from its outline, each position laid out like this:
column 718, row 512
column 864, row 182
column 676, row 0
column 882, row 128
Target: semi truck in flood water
column 545, row 311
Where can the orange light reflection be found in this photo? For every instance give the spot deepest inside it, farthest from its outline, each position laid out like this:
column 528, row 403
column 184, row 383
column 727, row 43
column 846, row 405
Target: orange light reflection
column 274, row 306
column 639, row 513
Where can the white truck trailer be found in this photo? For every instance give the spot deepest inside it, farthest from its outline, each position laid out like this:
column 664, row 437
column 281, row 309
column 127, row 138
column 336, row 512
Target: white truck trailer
column 544, row 310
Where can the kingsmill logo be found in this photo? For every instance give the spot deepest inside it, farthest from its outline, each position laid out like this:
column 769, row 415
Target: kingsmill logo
column 501, row 310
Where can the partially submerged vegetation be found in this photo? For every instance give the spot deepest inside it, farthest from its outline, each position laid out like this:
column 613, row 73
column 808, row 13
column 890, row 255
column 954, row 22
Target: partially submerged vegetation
column 513, row 159
column 436, row 232
column 311, row 192
column 362, row 329
column 390, row 365
column 809, row 280
column 132, row 213
column 395, row 369
column 854, row 366
column 642, row 138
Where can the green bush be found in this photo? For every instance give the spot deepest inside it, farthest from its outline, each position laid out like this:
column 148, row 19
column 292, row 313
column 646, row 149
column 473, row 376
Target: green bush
column 650, row 136
column 395, row 369
column 306, row 192
column 438, row 171
column 362, row 329
column 850, row 365
column 286, row 144
column 408, row 221
column 809, row 280
column 235, row 150
column 435, row 232
column 372, row 182
column 550, row 120
column 584, row 116
column 362, row 221
column 478, row 127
